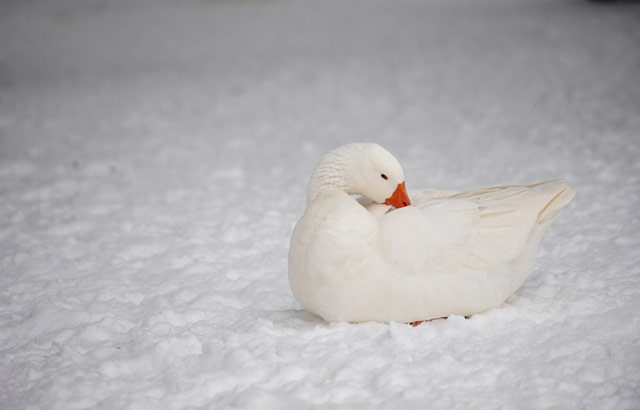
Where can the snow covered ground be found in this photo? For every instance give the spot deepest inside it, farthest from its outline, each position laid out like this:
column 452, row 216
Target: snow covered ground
column 153, row 162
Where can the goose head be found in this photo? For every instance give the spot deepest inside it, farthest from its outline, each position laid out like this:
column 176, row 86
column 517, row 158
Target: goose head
column 362, row 169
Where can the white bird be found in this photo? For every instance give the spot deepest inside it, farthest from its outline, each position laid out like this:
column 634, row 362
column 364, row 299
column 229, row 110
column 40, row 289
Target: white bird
column 378, row 259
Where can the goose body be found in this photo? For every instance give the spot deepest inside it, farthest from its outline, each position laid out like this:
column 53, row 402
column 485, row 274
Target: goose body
column 448, row 253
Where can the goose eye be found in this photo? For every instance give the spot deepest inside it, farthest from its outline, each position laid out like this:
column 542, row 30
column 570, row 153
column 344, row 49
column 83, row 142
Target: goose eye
column 383, row 176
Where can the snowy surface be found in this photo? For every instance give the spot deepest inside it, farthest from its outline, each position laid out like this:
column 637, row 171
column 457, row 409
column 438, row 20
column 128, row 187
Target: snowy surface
column 153, row 162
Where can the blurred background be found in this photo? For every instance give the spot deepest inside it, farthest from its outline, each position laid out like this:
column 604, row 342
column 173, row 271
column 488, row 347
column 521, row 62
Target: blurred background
column 251, row 87
column 154, row 156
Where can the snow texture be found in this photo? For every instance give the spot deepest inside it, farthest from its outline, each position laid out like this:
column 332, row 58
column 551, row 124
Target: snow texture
column 153, row 161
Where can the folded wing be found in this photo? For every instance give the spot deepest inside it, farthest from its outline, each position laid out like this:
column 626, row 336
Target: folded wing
column 452, row 231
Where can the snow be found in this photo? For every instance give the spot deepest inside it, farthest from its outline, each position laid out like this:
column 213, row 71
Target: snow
column 153, row 161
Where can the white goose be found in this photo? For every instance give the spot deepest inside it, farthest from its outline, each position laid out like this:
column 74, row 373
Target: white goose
column 449, row 253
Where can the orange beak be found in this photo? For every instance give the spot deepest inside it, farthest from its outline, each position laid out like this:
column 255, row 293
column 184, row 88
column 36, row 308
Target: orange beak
column 399, row 198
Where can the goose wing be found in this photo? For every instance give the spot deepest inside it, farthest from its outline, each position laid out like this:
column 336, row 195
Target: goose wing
column 474, row 230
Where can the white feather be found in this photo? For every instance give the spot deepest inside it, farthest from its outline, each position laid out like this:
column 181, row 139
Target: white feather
column 450, row 253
